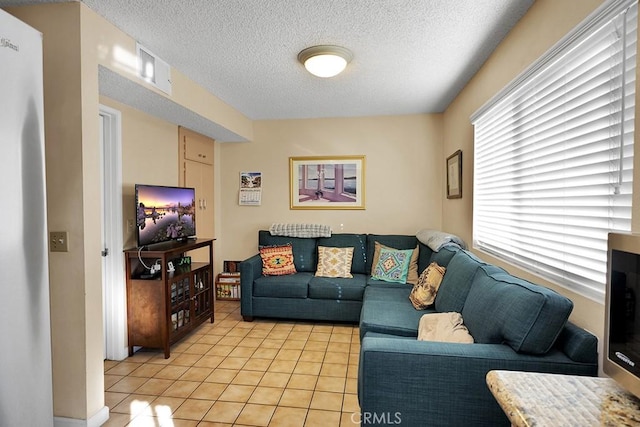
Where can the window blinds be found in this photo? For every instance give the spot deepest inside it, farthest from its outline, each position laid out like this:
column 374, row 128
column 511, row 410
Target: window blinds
column 554, row 155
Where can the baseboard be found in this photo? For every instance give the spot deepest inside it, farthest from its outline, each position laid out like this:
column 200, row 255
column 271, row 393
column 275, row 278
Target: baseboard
column 96, row 420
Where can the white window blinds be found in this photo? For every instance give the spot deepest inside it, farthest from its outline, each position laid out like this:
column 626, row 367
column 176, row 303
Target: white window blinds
column 554, row 155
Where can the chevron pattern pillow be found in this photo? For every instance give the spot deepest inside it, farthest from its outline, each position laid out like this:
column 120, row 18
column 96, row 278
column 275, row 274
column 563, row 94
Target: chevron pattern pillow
column 334, row 262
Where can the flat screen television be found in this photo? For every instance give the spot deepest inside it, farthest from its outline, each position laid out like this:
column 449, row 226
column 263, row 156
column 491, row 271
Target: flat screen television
column 164, row 213
column 621, row 359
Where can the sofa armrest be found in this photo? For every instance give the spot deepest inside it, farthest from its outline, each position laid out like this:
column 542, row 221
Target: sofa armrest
column 443, row 384
column 250, row 270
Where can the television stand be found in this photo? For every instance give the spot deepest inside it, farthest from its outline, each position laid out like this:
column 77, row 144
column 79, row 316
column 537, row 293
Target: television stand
column 164, row 307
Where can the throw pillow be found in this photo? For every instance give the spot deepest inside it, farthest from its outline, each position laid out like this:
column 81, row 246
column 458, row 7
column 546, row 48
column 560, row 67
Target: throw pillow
column 412, row 276
column 334, row 262
column 424, row 292
column 393, row 265
column 443, row 327
column 277, row 260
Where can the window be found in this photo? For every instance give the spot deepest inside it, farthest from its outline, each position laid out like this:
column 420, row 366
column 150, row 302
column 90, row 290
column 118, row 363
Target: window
column 554, row 155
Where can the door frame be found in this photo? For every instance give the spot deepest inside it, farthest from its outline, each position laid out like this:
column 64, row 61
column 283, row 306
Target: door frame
column 113, row 283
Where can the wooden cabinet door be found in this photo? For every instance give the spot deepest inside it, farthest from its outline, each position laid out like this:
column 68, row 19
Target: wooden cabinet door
column 196, row 170
column 200, row 176
column 198, row 148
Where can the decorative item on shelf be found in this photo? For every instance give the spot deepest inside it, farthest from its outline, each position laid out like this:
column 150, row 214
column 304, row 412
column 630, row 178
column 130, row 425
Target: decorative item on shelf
column 454, row 175
column 228, row 286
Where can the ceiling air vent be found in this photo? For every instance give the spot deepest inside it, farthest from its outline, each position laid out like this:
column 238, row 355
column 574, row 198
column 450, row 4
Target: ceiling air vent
column 153, row 70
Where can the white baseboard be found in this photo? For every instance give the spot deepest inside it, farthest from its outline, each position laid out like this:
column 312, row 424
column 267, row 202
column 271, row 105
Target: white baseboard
column 96, row 420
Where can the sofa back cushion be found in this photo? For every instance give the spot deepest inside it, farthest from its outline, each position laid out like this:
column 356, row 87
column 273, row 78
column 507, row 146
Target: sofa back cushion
column 456, row 282
column 443, row 256
column 424, row 257
column 501, row 308
column 304, row 249
column 346, row 240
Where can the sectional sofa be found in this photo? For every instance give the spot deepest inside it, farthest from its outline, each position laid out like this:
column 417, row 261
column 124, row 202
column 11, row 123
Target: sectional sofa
column 516, row 325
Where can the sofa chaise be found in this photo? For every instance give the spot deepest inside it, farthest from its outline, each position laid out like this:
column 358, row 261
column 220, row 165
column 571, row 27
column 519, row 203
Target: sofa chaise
column 515, row 325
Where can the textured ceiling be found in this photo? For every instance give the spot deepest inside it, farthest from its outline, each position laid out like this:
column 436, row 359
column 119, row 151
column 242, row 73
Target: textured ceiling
column 410, row 56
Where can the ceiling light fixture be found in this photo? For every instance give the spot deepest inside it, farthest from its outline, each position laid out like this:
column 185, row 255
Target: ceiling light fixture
column 325, row 61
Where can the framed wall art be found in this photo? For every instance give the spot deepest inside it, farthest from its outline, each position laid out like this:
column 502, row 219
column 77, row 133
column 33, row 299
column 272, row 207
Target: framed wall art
column 454, row 175
column 332, row 182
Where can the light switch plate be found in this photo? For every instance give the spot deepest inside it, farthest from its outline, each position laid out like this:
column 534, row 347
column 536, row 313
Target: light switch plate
column 58, row 241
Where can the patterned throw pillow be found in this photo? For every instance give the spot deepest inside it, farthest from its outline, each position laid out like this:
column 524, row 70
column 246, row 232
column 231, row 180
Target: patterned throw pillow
column 277, row 260
column 334, row 262
column 424, row 292
column 393, row 265
column 412, row 276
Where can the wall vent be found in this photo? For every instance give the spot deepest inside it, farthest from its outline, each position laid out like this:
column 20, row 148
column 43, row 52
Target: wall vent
column 153, row 70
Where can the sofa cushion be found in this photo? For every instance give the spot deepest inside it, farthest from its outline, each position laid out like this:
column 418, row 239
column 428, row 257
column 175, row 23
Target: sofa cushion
column 393, row 265
column 424, row 257
column 391, row 240
column 346, row 240
column 578, row 344
column 334, row 262
column 291, row 286
column 277, row 260
column 412, row 275
column 304, row 249
column 424, row 292
column 443, row 256
column 338, row 288
column 456, row 282
column 502, row 308
column 388, row 310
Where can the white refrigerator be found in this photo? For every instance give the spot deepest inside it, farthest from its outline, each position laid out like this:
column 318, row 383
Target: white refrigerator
column 25, row 336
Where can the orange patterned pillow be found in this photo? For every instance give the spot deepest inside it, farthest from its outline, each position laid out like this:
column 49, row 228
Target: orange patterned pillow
column 334, row 262
column 277, row 260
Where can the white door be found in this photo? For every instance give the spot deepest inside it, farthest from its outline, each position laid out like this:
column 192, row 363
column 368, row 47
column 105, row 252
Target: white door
column 113, row 283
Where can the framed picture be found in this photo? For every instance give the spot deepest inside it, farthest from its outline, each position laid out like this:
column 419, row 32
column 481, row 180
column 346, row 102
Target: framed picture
column 454, row 175
column 326, row 182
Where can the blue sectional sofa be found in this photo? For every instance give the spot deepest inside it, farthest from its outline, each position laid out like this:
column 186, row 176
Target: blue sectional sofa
column 516, row 325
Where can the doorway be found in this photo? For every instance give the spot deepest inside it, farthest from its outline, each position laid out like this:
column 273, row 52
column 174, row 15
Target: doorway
column 113, row 284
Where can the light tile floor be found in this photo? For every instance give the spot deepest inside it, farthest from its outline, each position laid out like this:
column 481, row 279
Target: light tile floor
column 231, row 372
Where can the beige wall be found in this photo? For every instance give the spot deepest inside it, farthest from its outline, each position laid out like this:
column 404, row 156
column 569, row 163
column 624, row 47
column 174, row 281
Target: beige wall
column 149, row 156
column 545, row 24
column 403, row 176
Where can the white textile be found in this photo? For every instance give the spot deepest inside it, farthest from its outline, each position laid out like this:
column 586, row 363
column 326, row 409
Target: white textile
column 437, row 239
column 300, row 230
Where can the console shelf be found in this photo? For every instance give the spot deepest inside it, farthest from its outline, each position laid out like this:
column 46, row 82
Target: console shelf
column 162, row 308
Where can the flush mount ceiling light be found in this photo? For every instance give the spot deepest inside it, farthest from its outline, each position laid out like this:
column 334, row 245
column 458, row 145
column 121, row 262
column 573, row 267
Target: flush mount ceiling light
column 325, row 61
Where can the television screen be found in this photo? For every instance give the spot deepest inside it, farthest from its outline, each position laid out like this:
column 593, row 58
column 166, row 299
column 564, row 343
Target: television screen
column 164, row 213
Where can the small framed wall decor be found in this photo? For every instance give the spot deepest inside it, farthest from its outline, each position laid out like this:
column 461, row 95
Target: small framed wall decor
column 250, row 189
column 332, row 182
column 454, row 175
